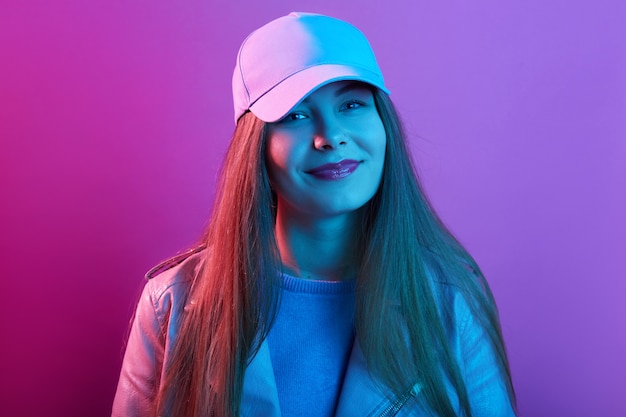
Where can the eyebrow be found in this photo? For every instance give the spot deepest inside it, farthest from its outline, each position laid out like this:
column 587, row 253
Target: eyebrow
column 351, row 85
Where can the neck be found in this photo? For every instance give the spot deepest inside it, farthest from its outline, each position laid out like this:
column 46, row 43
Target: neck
column 318, row 248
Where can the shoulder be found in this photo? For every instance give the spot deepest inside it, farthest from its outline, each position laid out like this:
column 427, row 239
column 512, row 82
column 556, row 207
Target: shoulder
column 154, row 332
column 453, row 307
column 470, row 336
column 169, row 282
column 446, row 288
column 457, row 293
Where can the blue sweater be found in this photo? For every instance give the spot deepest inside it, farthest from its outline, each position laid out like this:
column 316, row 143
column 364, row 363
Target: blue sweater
column 310, row 344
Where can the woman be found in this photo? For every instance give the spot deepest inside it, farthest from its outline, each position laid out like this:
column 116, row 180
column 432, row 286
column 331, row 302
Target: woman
column 325, row 283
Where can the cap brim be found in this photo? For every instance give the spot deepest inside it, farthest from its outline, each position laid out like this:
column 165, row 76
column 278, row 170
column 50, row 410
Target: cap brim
column 278, row 101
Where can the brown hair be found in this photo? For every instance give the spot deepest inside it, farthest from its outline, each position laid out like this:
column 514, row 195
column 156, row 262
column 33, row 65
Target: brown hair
column 399, row 322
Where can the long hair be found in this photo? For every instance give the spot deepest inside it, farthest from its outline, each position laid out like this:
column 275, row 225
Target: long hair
column 232, row 300
column 399, row 323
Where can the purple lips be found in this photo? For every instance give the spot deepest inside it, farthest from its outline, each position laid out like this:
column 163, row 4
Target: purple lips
column 335, row 171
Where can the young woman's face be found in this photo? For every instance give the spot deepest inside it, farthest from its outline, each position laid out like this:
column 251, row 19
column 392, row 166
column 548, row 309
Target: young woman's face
column 326, row 156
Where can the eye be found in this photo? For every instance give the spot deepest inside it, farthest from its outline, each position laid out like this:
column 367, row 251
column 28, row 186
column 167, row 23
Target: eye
column 292, row 117
column 353, row 104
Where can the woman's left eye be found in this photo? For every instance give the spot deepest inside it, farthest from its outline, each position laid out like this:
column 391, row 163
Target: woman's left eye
column 353, row 104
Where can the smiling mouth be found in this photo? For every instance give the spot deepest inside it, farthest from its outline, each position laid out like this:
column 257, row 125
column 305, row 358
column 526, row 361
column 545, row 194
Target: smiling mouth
column 334, row 171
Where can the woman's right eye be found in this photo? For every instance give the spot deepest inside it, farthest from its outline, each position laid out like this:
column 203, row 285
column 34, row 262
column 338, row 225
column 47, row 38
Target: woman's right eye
column 292, row 117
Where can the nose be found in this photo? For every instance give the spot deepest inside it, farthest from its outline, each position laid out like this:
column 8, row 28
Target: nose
column 329, row 134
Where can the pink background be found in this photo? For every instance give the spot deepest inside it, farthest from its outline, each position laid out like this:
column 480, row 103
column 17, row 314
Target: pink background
column 114, row 117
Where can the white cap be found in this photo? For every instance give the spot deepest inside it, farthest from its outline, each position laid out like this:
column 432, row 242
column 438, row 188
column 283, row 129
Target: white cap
column 280, row 63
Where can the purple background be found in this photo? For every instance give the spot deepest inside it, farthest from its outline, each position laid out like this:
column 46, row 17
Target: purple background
column 114, row 117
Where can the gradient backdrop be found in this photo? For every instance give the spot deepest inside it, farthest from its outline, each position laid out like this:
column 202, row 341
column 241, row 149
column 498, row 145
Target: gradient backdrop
column 114, row 117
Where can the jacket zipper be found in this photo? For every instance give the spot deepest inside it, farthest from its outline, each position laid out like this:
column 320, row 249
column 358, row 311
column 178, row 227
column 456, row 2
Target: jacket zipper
column 394, row 407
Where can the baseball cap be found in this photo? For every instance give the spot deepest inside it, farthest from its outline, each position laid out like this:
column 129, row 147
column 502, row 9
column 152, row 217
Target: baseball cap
column 280, row 63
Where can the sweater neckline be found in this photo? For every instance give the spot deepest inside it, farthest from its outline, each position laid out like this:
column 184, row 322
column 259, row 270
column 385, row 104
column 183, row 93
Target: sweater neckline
column 310, row 286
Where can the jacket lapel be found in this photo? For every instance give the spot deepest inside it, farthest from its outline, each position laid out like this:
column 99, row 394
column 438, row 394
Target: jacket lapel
column 360, row 394
column 260, row 395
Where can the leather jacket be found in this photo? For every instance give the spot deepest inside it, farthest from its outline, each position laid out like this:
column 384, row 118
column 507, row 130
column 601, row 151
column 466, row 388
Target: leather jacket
column 153, row 335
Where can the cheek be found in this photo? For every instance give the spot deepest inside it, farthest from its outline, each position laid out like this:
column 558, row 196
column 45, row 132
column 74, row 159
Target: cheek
column 282, row 157
column 276, row 155
column 381, row 142
column 378, row 141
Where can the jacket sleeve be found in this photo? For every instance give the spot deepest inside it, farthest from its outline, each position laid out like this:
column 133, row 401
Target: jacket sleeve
column 143, row 360
column 486, row 387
